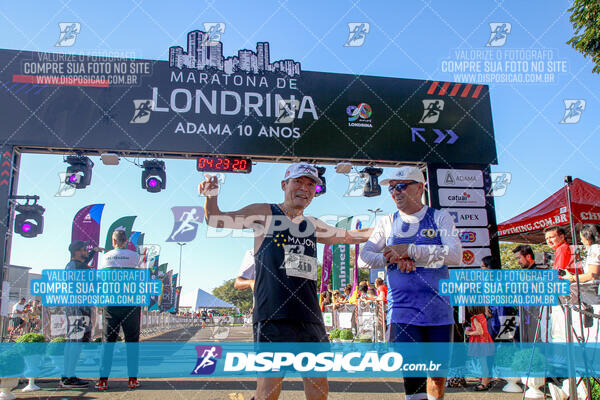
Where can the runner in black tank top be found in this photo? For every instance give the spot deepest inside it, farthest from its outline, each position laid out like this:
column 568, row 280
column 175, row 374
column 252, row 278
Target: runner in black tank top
column 287, row 308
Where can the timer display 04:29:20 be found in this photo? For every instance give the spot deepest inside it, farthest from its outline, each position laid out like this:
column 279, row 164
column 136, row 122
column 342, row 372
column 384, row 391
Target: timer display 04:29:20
column 224, row 164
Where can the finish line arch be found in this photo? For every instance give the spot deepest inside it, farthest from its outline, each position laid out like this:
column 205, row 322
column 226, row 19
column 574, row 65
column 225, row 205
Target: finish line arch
column 200, row 102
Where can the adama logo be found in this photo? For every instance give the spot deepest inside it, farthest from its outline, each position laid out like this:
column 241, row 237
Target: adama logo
column 207, row 359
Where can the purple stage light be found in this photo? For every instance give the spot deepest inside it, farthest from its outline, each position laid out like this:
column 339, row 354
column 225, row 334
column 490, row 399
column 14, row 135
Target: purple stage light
column 73, row 178
column 318, row 188
column 26, row 227
column 152, row 182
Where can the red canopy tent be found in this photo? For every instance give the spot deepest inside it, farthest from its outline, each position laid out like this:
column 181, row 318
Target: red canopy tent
column 528, row 227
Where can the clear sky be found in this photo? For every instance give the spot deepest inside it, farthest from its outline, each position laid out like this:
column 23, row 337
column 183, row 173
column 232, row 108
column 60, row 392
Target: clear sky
column 408, row 39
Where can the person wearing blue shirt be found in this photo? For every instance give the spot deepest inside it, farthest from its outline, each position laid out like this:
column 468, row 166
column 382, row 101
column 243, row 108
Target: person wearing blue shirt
column 415, row 244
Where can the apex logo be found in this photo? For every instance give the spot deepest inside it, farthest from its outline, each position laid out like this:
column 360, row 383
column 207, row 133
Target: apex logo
column 449, row 179
column 207, row 359
column 454, row 215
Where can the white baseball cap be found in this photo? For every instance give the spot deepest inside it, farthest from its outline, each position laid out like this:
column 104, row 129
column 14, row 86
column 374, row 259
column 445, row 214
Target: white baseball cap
column 297, row 170
column 405, row 174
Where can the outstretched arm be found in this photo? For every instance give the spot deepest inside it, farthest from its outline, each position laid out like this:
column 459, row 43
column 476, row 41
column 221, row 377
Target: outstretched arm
column 371, row 255
column 247, row 217
column 327, row 234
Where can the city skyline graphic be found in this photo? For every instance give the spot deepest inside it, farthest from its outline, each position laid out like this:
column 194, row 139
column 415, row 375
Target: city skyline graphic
column 206, row 54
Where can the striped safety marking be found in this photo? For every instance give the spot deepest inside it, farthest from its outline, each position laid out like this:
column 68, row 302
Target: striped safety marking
column 454, row 89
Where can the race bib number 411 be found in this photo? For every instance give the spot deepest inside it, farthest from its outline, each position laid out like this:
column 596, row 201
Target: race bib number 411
column 299, row 265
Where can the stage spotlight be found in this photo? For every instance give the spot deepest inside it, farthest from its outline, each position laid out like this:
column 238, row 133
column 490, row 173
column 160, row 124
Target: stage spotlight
column 154, row 178
column 321, row 189
column 372, row 187
column 30, row 221
column 79, row 172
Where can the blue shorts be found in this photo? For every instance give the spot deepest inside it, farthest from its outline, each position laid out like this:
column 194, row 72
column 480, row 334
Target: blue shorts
column 399, row 332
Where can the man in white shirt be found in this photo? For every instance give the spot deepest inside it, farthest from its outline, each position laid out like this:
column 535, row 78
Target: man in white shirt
column 245, row 276
column 18, row 308
column 415, row 245
column 116, row 317
column 245, row 279
column 18, row 311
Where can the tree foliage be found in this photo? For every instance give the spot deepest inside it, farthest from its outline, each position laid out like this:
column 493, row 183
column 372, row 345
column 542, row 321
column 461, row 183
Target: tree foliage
column 585, row 17
column 239, row 298
column 509, row 260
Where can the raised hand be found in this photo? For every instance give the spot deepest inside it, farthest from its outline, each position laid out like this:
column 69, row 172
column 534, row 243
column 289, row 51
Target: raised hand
column 209, row 187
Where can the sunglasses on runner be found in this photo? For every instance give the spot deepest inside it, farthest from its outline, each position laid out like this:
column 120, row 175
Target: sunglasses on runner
column 400, row 186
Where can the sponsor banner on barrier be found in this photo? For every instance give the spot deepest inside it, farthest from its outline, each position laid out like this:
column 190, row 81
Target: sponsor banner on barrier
column 460, row 177
column 468, row 216
column 462, row 197
column 472, row 257
column 227, row 359
column 474, row 237
column 375, row 273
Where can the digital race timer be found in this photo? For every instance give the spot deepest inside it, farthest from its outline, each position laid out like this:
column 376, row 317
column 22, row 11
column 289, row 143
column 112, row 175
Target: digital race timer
column 224, row 164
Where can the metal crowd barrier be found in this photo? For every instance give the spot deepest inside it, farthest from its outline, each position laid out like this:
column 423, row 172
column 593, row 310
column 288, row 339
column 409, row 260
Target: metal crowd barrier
column 364, row 318
column 54, row 322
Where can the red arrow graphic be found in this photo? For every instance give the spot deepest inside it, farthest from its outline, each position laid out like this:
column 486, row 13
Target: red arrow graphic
column 3, row 182
column 6, row 154
column 4, row 172
column 6, row 162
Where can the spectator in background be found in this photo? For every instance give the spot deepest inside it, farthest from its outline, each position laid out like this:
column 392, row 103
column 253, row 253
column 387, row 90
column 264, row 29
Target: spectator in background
column 363, row 288
column 348, row 292
column 337, row 299
column 529, row 315
column 525, row 256
column 563, row 256
column 370, row 295
column 488, row 262
column 120, row 317
column 245, row 278
column 590, row 238
column 79, row 318
column 18, row 312
column 501, row 320
column 325, row 300
column 382, row 290
column 481, row 345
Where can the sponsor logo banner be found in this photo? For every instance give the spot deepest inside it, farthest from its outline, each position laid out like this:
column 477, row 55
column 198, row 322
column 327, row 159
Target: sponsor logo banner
column 474, row 237
column 468, row 216
column 462, row 197
column 460, row 177
column 472, row 257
